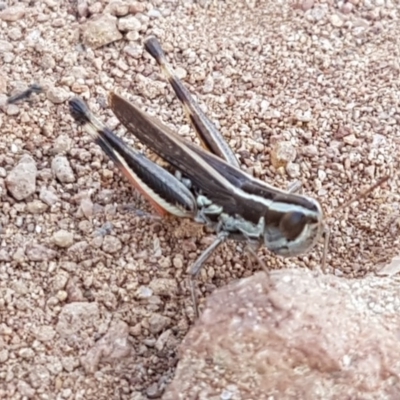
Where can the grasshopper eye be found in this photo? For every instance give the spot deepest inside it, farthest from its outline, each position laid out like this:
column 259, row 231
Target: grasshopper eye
column 292, row 224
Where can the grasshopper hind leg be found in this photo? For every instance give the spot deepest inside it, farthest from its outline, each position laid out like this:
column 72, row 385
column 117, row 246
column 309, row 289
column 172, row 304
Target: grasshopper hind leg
column 210, row 137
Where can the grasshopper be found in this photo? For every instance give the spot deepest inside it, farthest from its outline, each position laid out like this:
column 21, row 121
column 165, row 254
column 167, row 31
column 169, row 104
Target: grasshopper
column 208, row 185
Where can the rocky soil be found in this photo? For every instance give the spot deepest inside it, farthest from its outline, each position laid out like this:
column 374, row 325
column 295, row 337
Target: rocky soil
column 94, row 300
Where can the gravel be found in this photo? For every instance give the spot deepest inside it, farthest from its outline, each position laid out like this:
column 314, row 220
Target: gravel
column 319, row 75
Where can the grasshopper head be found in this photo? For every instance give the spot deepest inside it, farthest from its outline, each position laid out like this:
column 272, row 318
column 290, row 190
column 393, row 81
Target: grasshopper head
column 291, row 230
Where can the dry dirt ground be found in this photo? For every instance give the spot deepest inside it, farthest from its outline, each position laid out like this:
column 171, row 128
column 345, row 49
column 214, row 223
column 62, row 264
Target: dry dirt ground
column 93, row 292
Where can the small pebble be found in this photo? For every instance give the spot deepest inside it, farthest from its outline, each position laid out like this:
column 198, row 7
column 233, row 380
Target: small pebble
column 36, row 207
column 282, row 154
column 336, row 20
column 61, row 168
column 47, row 196
column 111, row 244
column 38, row 252
column 12, row 14
column 21, row 181
column 101, row 31
column 63, row 238
column 57, row 95
column 307, row 5
column 129, row 23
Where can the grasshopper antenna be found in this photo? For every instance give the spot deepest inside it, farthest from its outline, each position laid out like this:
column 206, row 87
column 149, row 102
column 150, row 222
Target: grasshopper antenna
column 34, row 88
column 359, row 196
column 363, row 194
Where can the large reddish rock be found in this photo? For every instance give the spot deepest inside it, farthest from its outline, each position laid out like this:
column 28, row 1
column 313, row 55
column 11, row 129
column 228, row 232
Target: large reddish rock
column 295, row 336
